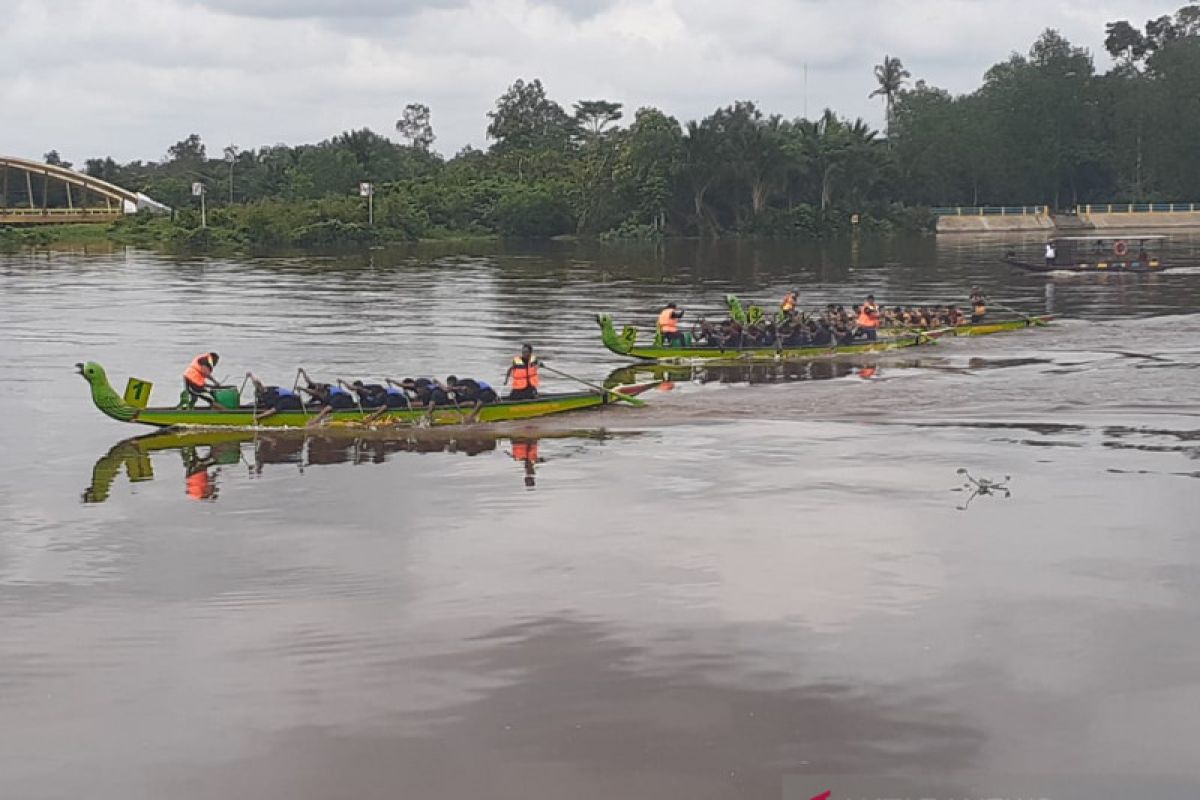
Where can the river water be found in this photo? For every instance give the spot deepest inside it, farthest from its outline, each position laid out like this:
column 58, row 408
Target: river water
column 766, row 584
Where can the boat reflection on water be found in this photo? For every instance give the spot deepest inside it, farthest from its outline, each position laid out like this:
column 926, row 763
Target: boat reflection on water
column 205, row 455
column 865, row 367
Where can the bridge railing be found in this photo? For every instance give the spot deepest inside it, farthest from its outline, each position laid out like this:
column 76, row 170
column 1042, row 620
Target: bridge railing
column 1137, row 208
column 59, row 212
column 990, row 211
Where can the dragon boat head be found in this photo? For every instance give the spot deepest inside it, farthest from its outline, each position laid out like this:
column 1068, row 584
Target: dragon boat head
column 618, row 343
column 103, row 395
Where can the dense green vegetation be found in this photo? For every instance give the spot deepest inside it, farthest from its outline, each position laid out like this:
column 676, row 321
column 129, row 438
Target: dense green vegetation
column 1044, row 128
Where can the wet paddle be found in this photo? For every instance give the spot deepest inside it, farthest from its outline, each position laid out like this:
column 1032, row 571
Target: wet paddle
column 1028, row 319
column 633, row 401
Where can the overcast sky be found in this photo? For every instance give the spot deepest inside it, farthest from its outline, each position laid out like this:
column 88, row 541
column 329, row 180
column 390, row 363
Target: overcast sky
column 127, row 78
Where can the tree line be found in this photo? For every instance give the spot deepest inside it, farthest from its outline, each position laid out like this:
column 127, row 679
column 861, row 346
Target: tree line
column 1045, row 127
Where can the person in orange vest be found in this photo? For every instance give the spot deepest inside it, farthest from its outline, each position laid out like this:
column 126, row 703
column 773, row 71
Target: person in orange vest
column 523, row 371
column 868, row 318
column 789, row 303
column 198, row 379
column 978, row 305
column 668, row 324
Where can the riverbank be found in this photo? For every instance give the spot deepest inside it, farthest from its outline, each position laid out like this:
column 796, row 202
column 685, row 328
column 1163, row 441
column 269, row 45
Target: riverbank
column 334, row 222
column 1069, row 223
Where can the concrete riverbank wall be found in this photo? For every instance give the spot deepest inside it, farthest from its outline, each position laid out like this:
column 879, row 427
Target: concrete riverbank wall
column 1086, row 219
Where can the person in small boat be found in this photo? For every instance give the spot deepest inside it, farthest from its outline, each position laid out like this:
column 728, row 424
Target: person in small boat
column 523, row 372
column 1050, row 254
column 272, row 399
column 668, row 325
column 198, row 379
column 978, row 305
column 868, row 319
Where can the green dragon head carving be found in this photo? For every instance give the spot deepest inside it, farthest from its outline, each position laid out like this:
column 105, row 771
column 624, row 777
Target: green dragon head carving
column 618, row 344
column 103, row 395
column 736, row 312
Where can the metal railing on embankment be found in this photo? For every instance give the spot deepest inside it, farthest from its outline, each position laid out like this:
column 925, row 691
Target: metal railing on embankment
column 990, row 211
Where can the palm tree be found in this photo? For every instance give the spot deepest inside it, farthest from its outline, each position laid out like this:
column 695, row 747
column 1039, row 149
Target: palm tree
column 890, row 74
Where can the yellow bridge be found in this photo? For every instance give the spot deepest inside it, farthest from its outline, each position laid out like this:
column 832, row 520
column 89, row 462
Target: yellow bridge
column 34, row 193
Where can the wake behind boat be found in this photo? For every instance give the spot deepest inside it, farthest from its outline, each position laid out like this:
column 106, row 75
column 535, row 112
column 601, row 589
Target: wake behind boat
column 132, row 408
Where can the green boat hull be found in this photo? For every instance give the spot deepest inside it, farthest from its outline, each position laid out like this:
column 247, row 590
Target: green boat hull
column 110, row 403
column 625, row 344
column 981, row 328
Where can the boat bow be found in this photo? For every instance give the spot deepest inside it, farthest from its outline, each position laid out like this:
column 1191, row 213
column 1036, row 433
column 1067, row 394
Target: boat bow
column 103, row 395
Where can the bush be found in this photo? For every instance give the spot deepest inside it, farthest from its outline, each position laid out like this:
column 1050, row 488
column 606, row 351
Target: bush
column 533, row 212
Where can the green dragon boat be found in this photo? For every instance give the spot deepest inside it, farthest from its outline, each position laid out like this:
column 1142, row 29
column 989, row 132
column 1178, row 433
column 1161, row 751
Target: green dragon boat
column 126, row 409
column 980, row 328
column 626, row 344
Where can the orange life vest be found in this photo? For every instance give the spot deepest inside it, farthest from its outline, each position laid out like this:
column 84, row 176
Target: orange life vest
column 525, row 451
column 198, row 371
column 667, row 323
column 199, row 485
column 524, row 375
column 868, row 316
column 789, row 303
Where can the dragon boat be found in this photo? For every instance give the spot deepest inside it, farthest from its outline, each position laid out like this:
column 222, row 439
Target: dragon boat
column 132, row 407
column 626, row 344
column 979, row 328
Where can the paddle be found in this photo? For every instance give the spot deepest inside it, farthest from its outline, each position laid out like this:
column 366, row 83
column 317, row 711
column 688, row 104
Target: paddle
column 1028, row 319
column 633, row 401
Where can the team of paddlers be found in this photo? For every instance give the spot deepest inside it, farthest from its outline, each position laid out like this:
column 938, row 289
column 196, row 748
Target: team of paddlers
column 406, row 393
column 832, row 325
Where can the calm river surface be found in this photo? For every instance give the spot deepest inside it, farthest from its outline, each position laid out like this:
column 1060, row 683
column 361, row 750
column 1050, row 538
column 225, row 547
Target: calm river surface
column 764, row 585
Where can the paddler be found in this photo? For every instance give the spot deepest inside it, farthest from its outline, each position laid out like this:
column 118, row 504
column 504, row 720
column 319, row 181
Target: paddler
column 198, row 379
column 978, row 305
column 469, row 390
column 668, row 324
column 523, row 372
column 273, row 399
column 868, row 318
column 328, row 396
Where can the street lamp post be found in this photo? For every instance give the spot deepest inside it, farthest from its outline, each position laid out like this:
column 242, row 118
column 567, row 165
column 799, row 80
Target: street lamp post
column 198, row 191
column 367, row 189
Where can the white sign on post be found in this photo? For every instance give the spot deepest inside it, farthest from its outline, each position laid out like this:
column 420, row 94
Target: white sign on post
column 197, row 189
column 366, row 189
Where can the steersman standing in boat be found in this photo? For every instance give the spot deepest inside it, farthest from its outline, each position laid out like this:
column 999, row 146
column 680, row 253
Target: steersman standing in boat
column 523, row 371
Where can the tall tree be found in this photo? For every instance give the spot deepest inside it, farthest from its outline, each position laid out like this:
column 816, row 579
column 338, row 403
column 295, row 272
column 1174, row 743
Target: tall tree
column 891, row 75
column 593, row 116
column 414, row 125
column 526, row 119
column 189, row 150
column 231, row 155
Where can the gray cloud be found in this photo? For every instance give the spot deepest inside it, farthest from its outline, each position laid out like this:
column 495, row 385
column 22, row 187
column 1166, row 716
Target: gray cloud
column 129, row 77
column 323, row 9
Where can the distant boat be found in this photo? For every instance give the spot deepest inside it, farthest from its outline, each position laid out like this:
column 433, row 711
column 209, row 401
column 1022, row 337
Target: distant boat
column 1133, row 252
